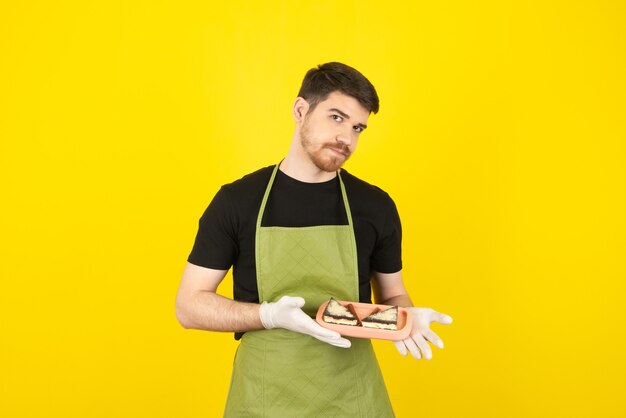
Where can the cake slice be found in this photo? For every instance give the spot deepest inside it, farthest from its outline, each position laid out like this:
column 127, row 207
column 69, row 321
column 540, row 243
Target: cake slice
column 336, row 313
column 387, row 319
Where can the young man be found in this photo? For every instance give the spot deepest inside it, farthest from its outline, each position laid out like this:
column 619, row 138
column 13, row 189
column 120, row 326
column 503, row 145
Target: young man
column 297, row 234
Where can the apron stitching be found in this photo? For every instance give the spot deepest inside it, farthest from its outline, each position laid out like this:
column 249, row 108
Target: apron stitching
column 310, row 380
column 357, row 382
column 263, row 379
column 338, row 393
column 317, row 261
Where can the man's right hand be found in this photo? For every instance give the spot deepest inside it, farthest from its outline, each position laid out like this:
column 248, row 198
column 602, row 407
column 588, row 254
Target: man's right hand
column 287, row 313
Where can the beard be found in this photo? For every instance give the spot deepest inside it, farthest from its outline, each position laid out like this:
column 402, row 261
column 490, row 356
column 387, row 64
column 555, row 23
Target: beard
column 319, row 155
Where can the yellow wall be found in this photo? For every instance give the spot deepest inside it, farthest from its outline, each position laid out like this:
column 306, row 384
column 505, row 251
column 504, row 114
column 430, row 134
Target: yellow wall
column 501, row 137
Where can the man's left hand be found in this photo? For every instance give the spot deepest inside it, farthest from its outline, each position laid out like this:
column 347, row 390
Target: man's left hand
column 421, row 334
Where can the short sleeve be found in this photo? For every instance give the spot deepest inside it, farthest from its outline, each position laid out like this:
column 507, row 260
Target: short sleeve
column 387, row 255
column 215, row 246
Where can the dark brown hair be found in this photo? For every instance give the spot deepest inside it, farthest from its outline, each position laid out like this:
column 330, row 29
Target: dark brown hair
column 319, row 82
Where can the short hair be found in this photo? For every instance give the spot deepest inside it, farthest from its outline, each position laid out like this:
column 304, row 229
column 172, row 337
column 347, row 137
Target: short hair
column 319, row 82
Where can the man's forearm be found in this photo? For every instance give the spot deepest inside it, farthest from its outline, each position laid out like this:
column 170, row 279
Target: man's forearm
column 209, row 311
column 400, row 300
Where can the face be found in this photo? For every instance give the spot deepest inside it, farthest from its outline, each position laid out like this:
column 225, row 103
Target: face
column 330, row 132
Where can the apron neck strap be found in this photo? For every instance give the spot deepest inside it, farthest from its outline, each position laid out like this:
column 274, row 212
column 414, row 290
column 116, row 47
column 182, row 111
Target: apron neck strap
column 344, row 196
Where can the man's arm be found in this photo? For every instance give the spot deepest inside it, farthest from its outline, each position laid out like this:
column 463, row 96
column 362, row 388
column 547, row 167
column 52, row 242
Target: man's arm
column 199, row 307
column 389, row 289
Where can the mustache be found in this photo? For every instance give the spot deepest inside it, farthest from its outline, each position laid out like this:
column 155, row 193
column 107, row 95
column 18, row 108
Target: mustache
column 341, row 148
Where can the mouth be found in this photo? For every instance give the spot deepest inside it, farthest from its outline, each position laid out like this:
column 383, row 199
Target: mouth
column 340, row 151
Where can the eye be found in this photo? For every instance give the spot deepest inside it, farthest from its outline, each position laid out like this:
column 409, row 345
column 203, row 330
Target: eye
column 357, row 128
column 337, row 118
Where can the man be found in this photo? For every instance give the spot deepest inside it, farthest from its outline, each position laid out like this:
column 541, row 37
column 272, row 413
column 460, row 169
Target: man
column 297, row 234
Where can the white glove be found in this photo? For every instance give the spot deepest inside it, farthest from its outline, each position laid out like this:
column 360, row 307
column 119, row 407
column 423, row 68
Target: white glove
column 286, row 313
column 417, row 342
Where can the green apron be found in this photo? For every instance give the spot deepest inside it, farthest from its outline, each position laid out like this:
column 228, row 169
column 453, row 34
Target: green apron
column 280, row 373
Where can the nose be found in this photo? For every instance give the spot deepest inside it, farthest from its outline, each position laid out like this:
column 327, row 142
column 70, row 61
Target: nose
column 344, row 137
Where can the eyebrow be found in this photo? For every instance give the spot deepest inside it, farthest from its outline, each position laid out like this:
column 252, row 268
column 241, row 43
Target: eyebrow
column 346, row 116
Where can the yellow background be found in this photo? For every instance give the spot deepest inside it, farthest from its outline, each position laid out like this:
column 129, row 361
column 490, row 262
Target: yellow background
column 501, row 137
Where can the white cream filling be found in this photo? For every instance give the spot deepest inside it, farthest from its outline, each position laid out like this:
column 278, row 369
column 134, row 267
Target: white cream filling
column 339, row 321
column 379, row 325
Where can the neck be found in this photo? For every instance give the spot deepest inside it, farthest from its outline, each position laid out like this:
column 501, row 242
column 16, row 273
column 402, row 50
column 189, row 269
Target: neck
column 299, row 166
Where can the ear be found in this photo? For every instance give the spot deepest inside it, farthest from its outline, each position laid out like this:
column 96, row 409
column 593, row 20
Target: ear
column 300, row 109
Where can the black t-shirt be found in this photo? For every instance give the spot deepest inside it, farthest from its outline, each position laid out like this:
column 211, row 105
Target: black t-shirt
column 226, row 234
